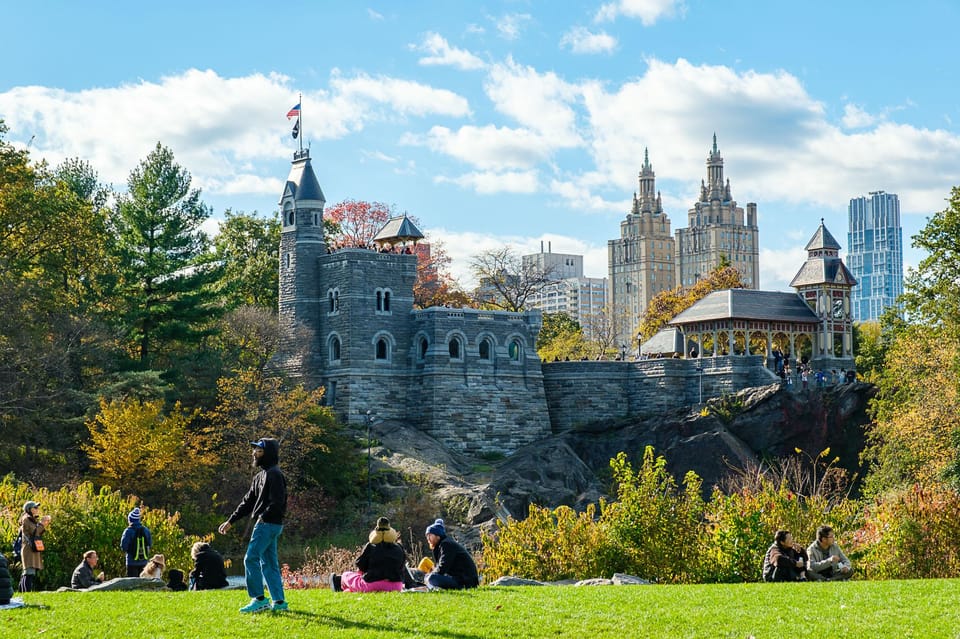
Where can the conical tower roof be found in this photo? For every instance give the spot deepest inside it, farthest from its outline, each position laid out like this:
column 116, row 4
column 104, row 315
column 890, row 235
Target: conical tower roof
column 302, row 183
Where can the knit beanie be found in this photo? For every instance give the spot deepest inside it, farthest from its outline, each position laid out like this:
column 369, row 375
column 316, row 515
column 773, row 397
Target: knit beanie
column 437, row 528
column 134, row 517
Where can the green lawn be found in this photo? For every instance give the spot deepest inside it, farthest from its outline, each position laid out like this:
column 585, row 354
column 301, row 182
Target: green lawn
column 929, row 608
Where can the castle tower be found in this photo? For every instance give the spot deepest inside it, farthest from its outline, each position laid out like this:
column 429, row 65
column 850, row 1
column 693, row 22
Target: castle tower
column 640, row 262
column 824, row 282
column 716, row 228
column 301, row 245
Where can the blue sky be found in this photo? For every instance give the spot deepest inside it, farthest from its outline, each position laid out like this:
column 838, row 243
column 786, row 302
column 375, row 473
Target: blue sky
column 507, row 122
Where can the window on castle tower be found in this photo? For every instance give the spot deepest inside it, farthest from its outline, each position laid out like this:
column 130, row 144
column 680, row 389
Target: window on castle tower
column 381, row 349
column 454, row 348
column 386, row 301
column 335, row 349
column 422, row 348
column 515, row 350
column 485, row 349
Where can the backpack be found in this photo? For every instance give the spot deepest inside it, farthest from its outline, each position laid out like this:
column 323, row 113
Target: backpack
column 18, row 543
column 140, row 545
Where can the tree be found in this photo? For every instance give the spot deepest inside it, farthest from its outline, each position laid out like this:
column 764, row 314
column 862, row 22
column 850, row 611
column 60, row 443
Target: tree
column 603, row 331
column 146, row 452
column 561, row 338
column 435, row 285
column 356, row 222
column 506, row 281
column 931, row 294
column 248, row 247
column 666, row 305
column 166, row 301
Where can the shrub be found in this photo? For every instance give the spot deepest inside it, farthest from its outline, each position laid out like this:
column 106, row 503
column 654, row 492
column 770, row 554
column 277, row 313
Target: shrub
column 910, row 534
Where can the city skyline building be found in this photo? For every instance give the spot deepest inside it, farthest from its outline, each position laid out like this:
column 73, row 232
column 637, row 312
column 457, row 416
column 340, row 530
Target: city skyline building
column 875, row 253
column 641, row 262
column 718, row 228
column 582, row 298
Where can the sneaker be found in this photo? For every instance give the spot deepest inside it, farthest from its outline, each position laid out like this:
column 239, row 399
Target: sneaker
column 280, row 606
column 256, row 605
column 335, row 582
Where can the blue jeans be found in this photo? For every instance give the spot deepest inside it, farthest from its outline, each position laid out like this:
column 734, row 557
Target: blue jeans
column 261, row 562
column 442, row 582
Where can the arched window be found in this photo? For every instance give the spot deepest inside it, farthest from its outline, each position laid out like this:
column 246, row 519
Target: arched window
column 386, row 301
column 381, row 349
column 379, row 300
column 454, row 348
column 290, row 218
column 422, row 348
column 335, row 349
column 515, row 350
column 330, row 299
column 336, row 300
column 383, row 301
column 485, row 349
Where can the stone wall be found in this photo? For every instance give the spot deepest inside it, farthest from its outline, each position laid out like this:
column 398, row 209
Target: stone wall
column 587, row 391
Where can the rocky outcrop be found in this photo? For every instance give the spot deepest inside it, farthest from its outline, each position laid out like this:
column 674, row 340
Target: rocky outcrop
column 734, row 432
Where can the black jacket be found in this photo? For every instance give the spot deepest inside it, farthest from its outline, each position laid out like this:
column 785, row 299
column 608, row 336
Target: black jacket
column 452, row 559
column 266, row 500
column 6, row 581
column 381, row 562
column 208, row 572
column 83, row 576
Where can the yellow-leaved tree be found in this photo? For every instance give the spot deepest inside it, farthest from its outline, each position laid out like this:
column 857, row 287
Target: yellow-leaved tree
column 140, row 449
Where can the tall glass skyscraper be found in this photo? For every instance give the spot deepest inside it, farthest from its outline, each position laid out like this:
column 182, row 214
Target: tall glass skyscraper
column 875, row 245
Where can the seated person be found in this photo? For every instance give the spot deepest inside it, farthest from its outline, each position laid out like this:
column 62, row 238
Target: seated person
column 826, row 561
column 175, row 582
column 208, row 571
column 453, row 568
column 784, row 561
column 6, row 581
column 154, row 568
column 83, row 574
column 381, row 564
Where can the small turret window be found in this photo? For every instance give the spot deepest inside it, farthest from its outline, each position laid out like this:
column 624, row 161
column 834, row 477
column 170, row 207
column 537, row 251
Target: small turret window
column 382, row 301
column 515, row 350
column 381, row 349
column 335, row 349
column 333, row 300
column 422, row 348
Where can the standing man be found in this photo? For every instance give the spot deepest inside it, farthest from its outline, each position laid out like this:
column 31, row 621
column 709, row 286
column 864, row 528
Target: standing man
column 266, row 503
column 136, row 543
column 453, row 566
column 826, row 561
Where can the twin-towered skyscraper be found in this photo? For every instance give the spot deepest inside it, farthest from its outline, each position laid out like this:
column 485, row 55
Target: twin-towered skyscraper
column 648, row 259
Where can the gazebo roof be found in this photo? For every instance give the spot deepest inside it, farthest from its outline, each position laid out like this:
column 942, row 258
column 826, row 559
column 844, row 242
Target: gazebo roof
column 667, row 340
column 742, row 303
column 398, row 229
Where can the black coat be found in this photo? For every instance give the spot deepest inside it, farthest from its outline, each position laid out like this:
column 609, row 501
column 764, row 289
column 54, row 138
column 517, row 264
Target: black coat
column 266, row 500
column 381, row 562
column 208, row 572
column 6, row 581
column 452, row 559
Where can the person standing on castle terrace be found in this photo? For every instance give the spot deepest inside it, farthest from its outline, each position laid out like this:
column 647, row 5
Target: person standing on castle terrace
column 266, row 503
column 453, row 567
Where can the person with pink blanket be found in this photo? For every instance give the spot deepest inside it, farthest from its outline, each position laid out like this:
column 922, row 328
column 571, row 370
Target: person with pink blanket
column 380, row 564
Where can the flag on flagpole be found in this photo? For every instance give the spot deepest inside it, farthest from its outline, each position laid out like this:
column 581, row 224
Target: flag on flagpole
column 296, row 129
column 294, row 112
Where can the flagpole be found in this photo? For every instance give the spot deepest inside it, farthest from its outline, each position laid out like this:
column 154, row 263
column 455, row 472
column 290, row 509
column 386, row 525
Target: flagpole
column 300, row 122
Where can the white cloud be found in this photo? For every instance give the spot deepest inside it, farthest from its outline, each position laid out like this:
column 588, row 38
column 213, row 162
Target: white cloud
column 373, row 15
column 442, row 54
column 855, row 117
column 489, row 182
column 778, row 267
column 402, row 96
column 509, row 26
column 648, row 11
column 581, row 40
column 539, row 101
column 379, row 156
column 488, row 147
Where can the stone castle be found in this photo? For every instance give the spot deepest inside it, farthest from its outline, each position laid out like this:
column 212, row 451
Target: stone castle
column 472, row 379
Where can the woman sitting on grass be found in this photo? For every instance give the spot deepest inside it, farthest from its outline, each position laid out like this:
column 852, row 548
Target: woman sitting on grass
column 381, row 564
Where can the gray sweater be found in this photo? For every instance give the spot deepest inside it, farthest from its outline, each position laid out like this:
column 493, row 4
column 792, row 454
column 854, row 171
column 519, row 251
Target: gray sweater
column 819, row 560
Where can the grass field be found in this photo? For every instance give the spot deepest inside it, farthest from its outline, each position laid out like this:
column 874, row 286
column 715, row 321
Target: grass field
column 929, row 608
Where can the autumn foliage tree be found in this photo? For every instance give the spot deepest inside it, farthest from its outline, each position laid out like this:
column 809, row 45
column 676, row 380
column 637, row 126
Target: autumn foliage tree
column 666, row 305
column 357, row 222
column 141, row 449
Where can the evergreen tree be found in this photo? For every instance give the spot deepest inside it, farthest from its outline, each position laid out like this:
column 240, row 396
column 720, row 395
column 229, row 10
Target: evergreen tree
column 166, row 303
column 248, row 247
